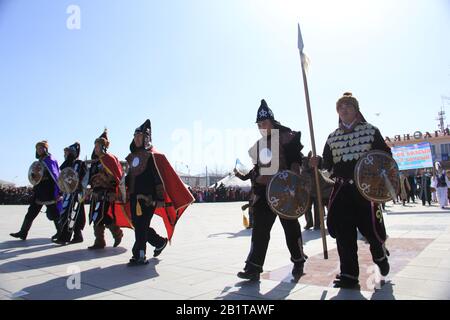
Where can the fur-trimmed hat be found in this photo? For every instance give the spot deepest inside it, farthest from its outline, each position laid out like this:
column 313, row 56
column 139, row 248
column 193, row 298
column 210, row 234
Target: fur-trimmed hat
column 42, row 143
column 348, row 98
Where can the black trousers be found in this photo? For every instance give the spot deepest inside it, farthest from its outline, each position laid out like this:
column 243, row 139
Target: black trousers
column 425, row 197
column 350, row 212
column 34, row 209
column 142, row 230
column 411, row 196
column 309, row 217
column 80, row 222
column 98, row 212
column 264, row 219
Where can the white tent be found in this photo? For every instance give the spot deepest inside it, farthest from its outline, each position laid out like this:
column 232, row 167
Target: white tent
column 4, row 183
column 231, row 181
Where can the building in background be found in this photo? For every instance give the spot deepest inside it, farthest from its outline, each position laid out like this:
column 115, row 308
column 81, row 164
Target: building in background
column 439, row 140
column 440, row 143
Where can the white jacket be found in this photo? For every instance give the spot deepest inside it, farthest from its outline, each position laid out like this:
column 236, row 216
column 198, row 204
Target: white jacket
column 434, row 181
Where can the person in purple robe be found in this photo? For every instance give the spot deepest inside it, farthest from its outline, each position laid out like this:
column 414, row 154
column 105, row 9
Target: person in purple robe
column 45, row 193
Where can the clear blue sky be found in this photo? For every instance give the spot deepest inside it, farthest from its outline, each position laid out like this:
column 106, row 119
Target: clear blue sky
column 206, row 64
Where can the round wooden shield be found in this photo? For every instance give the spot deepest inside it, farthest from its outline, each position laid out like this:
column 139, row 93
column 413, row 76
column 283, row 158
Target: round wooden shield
column 68, row 180
column 376, row 176
column 287, row 195
column 137, row 162
column 35, row 173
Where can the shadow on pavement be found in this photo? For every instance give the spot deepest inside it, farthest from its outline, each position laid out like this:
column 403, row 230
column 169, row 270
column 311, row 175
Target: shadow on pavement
column 385, row 293
column 7, row 254
column 93, row 281
column 242, row 233
column 60, row 259
column 252, row 289
column 348, row 294
column 24, row 243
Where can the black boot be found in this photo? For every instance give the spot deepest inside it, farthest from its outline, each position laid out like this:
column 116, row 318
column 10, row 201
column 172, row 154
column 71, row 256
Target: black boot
column 250, row 273
column 137, row 262
column 23, row 233
column 345, row 282
column 158, row 251
column 64, row 235
column 58, row 231
column 384, row 266
column 77, row 236
column 297, row 270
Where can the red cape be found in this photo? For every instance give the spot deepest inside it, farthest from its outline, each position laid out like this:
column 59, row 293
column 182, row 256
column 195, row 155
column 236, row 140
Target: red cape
column 176, row 196
column 114, row 168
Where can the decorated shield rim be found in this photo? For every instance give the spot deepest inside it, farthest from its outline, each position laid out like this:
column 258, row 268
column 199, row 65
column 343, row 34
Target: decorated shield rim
column 357, row 175
column 281, row 214
column 30, row 171
column 61, row 175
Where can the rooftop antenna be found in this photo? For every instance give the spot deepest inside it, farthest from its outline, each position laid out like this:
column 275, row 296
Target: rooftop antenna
column 441, row 114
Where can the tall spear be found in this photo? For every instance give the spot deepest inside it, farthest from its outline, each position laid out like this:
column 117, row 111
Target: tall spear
column 313, row 143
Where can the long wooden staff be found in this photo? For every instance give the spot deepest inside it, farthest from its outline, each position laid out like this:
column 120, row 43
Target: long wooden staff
column 313, row 144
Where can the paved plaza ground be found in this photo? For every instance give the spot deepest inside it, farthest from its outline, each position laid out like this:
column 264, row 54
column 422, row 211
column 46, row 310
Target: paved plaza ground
column 208, row 249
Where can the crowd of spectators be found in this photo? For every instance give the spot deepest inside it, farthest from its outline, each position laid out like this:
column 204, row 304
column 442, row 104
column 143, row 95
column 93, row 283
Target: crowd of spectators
column 15, row 195
column 219, row 193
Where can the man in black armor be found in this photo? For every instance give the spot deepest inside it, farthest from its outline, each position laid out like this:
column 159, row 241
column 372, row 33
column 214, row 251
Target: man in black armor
column 73, row 218
column 348, row 210
column 146, row 193
column 289, row 157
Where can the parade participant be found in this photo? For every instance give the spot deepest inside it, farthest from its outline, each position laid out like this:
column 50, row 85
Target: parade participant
column 326, row 186
column 73, row 218
column 348, row 210
column 287, row 154
column 153, row 187
column 105, row 175
column 45, row 191
column 424, row 183
column 405, row 187
column 310, row 221
column 413, row 191
column 441, row 183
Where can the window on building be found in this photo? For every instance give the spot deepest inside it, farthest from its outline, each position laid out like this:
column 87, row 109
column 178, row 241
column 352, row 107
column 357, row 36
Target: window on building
column 445, row 151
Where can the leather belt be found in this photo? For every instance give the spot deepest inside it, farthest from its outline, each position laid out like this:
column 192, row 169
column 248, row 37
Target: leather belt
column 344, row 180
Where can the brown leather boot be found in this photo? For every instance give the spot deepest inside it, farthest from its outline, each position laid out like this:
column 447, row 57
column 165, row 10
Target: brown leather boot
column 117, row 234
column 99, row 232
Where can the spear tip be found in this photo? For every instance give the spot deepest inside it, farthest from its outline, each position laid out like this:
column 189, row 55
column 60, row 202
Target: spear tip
column 300, row 39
